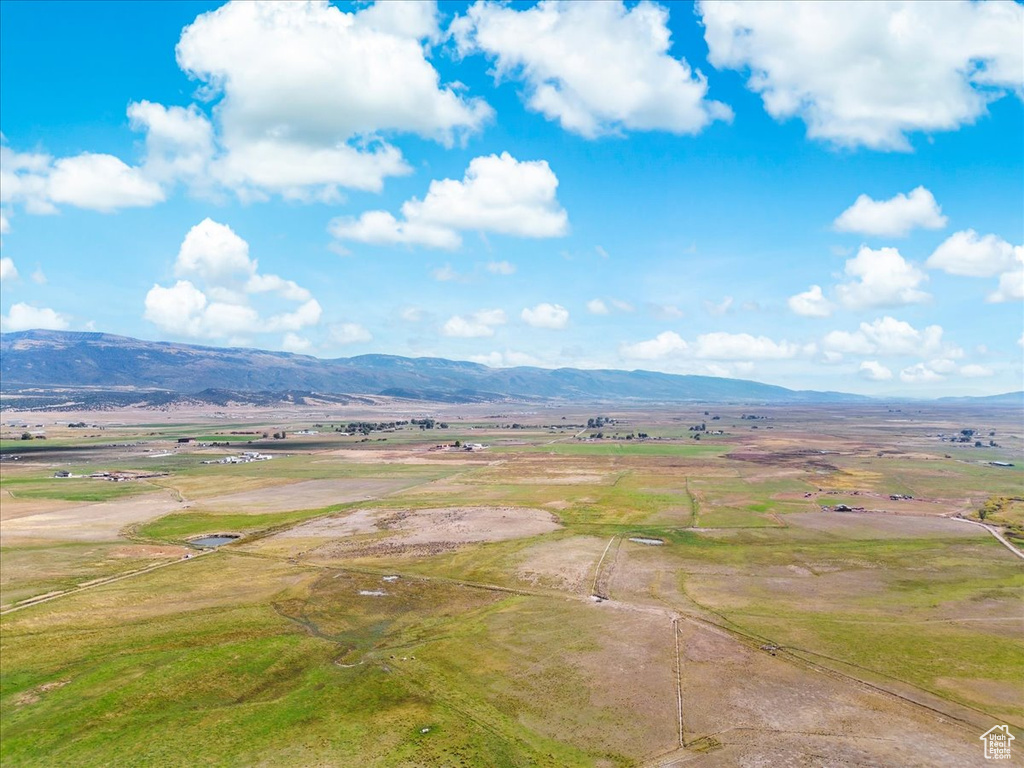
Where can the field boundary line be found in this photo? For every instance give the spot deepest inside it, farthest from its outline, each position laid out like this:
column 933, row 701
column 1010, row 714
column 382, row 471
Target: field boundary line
column 597, row 574
column 679, row 683
column 795, row 656
column 994, row 532
column 28, row 603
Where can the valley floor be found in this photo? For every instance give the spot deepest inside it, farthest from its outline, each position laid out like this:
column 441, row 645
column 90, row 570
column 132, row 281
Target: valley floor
column 792, row 591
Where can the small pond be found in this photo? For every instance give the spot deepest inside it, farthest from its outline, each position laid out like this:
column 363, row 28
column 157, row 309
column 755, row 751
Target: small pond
column 208, row 542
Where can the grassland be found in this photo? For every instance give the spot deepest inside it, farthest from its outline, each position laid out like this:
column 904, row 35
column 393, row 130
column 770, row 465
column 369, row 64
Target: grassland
column 352, row 624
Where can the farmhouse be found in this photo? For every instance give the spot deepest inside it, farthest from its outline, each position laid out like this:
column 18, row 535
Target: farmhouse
column 244, row 458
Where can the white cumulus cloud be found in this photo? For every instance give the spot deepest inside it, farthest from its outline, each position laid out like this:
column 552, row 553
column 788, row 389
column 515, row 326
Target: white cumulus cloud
column 92, row 181
column 889, row 337
column 497, row 194
column 1011, row 284
column 101, row 183
column 974, row 371
column 597, row 307
column 881, row 278
column 349, row 333
column 942, row 365
column 846, row 343
column 919, row 374
column 811, row 303
column 743, row 346
column 7, row 269
column 292, row 342
column 307, row 90
column 893, row 217
column 874, row 371
column 24, row 179
column 24, row 317
column 870, row 73
column 477, row 325
column 552, row 316
column 213, row 254
column 663, row 345
column 596, row 68
column 180, row 142
column 966, row 253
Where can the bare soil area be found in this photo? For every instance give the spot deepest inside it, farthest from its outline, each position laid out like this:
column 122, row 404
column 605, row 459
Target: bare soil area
column 565, row 564
column 409, row 456
column 11, row 506
column 88, row 522
column 426, row 530
column 308, row 494
column 870, row 525
column 765, row 711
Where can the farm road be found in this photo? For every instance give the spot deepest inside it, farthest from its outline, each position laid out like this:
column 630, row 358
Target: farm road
column 999, row 537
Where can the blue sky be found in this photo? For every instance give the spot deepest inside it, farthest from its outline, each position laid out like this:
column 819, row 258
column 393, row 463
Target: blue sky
column 819, row 196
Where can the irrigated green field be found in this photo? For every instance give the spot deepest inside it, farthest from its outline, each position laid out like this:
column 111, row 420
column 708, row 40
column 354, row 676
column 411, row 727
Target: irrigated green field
column 551, row 599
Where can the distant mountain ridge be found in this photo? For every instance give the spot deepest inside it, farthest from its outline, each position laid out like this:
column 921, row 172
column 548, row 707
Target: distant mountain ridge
column 50, row 359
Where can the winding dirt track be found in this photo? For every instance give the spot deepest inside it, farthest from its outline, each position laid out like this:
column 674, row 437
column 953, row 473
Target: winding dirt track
column 996, row 533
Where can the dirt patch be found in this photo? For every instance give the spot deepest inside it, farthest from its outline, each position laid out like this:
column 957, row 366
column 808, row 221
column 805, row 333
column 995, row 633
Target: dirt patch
column 423, row 531
column 88, row 522
column 416, row 456
column 869, row 525
column 352, row 524
column 309, row 494
column 12, row 506
column 567, row 564
column 33, row 695
column 766, row 711
column 806, row 458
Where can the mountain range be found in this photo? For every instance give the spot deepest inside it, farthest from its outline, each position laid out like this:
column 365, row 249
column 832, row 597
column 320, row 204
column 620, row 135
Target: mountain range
column 61, row 359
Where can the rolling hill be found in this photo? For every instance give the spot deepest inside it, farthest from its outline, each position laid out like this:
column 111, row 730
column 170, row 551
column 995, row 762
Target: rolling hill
column 62, row 359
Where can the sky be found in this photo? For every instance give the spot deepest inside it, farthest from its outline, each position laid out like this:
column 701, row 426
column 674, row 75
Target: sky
column 822, row 196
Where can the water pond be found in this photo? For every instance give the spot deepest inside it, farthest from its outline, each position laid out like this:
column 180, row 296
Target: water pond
column 645, row 540
column 209, row 542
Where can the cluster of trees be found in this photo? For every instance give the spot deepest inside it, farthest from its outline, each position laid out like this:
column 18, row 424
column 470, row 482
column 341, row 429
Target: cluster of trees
column 996, row 504
column 429, row 423
column 598, row 422
column 366, row 427
column 970, row 435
